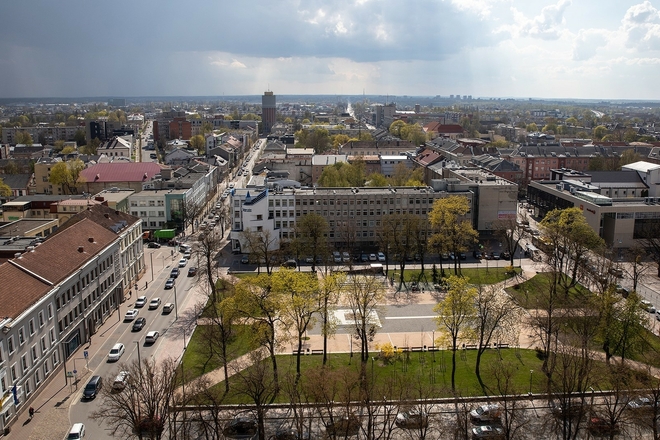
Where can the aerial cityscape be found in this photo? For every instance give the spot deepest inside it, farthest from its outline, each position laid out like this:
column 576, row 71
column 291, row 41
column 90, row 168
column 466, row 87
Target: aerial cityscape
column 330, row 220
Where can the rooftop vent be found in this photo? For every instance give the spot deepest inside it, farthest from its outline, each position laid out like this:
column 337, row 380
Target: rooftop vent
column 91, row 239
column 81, row 249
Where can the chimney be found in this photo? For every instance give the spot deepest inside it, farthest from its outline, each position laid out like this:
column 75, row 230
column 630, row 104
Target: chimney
column 91, row 239
column 81, row 249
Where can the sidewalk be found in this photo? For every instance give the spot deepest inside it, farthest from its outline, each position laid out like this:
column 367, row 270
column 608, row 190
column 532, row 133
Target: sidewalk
column 51, row 418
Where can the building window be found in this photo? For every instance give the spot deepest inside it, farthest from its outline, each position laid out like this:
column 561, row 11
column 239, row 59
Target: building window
column 31, row 326
column 41, row 319
column 21, row 336
column 24, row 363
column 10, row 344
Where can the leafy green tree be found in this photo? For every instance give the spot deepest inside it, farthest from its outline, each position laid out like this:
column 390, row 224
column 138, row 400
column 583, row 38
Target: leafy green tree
column 532, row 127
column 91, row 148
column 629, row 156
column 599, row 132
column 571, row 121
column 23, row 137
column 456, row 313
column 376, row 180
column 68, row 150
column 79, row 137
column 299, row 292
column 256, row 300
column 5, row 190
column 66, row 175
column 250, row 117
column 58, row 145
column 395, row 127
column 453, row 232
column 342, row 175
column 198, row 143
column 207, row 127
column 339, row 140
column 11, row 167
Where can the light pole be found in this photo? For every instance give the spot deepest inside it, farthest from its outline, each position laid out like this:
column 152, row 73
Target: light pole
column 531, row 374
column 139, row 357
column 151, row 256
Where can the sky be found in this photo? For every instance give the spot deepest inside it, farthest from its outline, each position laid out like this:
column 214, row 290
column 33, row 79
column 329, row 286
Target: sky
column 582, row 49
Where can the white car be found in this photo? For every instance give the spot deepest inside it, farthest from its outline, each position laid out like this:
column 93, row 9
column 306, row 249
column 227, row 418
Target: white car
column 381, row 257
column 120, row 381
column 140, row 301
column 154, row 303
column 183, row 262
column 130, row 314
column 151, row 337
column 116, row 352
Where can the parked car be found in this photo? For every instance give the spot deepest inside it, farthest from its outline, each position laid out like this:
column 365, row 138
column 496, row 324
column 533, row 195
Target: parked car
column 600, row 425
column 647, row 305
column 241, row 427
column 192, row 271
column 346, row 426
column 120, row 381
column 336, row 257
column 153, row 245
column 93, row 387
column 140, row 301
column 567, row 408
column 167, row 308
column 290, row 434
column 486, row 413
column 364, row 258
column 639, row 403
column 151, row 337
column 477, row 255
column 169, row 284
column 245, row 259
column 139, row 324
column 290, row 264
column 488, row 431
column 345, row 257
column 154, row 303
column 115, row 352
column 412, row 419
column 381, row 257
column 130, row 314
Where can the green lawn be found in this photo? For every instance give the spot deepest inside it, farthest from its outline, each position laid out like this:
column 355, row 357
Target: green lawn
column 532, row 293
column 483, row 275
column 410, row 376
column 197, row 360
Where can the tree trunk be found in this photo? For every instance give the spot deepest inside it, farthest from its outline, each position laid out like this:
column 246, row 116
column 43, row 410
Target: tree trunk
column 453, row 366
column 477, row 369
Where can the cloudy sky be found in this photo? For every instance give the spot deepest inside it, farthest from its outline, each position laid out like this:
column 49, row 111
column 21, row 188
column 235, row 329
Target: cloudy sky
column 603, row 49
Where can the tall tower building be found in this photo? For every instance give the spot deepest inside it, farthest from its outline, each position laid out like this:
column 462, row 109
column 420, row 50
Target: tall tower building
column 268, row 105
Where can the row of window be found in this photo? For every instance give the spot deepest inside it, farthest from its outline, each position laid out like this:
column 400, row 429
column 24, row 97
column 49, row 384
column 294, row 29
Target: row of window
column 31, row 329
column 86, row 303
column 136, row 203
column 148, row 213
column 38, row 376
column 84, row 281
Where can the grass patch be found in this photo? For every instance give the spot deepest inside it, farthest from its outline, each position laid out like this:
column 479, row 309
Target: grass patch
column 245, row 275
column 197, row 360
column 412, row 375
column 482, row 275
column 532, row 293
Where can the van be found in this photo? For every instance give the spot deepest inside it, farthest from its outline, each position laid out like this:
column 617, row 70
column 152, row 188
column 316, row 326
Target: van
column 76, row 432
column 93, row 387
column 290, row 264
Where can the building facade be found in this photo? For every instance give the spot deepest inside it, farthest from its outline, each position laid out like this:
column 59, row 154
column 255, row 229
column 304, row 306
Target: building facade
column 268, row 111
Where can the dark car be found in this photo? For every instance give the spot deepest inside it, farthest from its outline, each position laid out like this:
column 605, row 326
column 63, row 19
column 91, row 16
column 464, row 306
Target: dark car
column 175, row 273
column 600, row 425
column 241, row 427
column 567, row 408
column 139, row 324
column 477, row 255
column 93, row 387
column 153, row 245
column 346, row 426
column 192, row 271
column 290, row 434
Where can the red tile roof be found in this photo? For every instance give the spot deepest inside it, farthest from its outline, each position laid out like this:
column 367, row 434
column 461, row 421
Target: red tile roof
column 20, row 290
column 120, row 172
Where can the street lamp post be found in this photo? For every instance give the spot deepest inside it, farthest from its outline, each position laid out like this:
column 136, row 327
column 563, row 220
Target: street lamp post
column 151, row 256
column 138, row 349
column 531, row 374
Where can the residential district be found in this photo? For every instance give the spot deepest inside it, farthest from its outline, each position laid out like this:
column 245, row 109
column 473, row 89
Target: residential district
column 124, row 222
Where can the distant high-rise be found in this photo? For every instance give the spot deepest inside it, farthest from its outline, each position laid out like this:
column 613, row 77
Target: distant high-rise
column 268, row 106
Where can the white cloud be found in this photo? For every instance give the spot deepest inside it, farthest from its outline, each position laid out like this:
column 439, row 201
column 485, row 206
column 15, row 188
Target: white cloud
column 482, row 8
column 587, row 42
column 548, row 25
column 641, row 27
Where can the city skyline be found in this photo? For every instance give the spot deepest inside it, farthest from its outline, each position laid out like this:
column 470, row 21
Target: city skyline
column 552, row 49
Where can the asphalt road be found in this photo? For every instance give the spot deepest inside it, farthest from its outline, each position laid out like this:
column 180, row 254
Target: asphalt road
column 134, row 341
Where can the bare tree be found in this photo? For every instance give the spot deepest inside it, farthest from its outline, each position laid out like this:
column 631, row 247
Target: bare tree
column 261, row 246
column 363, row 294
column 191, row 210
column 514, row 419
column 511, row 232
column 143, row 407
column 497, row 320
